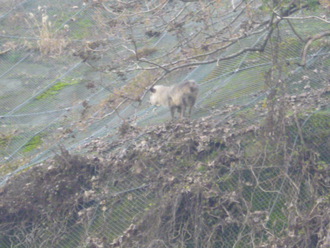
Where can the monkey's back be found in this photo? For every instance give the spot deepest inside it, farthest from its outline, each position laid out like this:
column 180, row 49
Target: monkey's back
column 184, row 93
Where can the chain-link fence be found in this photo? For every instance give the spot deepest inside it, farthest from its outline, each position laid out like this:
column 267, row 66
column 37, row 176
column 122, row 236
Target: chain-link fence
column 52, row 95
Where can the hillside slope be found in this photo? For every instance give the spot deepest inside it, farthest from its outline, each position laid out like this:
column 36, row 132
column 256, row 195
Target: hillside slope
column 196, row 183
column 85, row 161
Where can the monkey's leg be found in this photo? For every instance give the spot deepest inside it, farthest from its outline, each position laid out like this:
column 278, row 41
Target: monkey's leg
column 189, row 111
column 172, row 111
column 183, row 110
column 191, row 105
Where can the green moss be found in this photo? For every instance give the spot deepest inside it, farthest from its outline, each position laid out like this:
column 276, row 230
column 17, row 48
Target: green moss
column 9, row 167
column 202, row 168
column 55, row 89
column 33, row 143
column 277, row 219
column 183, row 162
column 313, row 4
column 247, row 113
column 4, row 140
column 290, row 46
column 14, row 57
column 228, row 182
column 83, row 30
column 327, row 62
column 315, row 132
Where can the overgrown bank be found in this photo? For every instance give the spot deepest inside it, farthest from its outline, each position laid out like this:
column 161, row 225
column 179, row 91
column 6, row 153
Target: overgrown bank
column 201, row 184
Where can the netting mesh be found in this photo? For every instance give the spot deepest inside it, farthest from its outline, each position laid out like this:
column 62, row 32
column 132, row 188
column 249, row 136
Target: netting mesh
column 47, row 94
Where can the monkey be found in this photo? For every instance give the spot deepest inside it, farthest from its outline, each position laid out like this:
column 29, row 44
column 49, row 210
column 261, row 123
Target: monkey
column 177, row 97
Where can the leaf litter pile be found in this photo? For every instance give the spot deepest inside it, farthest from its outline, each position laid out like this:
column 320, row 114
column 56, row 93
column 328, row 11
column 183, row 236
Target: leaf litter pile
column 213, row 184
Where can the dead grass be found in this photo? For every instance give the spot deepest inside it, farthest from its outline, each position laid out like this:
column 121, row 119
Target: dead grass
column 50, row 42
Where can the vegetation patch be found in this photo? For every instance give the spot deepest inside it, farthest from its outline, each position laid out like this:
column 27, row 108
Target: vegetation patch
column 143, row 52
column 33, row 143
column 316, row 133
column 194, row 172
column 55, row 89
column 83, row 29
column 4, row 140
column 43, row 197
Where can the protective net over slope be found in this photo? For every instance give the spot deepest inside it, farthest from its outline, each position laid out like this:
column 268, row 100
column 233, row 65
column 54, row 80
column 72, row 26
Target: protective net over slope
column 50, row 98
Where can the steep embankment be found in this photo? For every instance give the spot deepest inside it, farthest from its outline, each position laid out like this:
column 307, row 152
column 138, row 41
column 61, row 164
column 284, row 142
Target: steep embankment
column 208, row 184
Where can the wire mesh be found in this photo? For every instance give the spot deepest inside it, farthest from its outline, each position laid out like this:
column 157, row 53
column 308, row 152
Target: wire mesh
column 41, row 100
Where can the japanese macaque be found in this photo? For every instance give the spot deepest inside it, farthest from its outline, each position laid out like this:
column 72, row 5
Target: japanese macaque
column 177, row 97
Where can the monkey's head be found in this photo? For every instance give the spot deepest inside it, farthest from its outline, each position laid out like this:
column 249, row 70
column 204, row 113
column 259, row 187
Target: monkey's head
column 153, row 97
column 152, row 89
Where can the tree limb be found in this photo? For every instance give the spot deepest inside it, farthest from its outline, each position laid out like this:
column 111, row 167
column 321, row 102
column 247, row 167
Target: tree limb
column 308, row 44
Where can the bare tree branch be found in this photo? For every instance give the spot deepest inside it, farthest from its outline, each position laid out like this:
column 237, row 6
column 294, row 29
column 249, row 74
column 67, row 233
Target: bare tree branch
column 308, row 44
column 294, row 31
column 306, row 17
